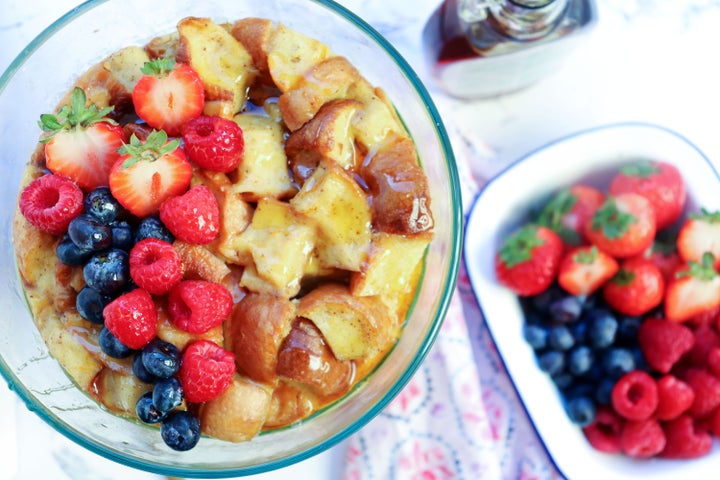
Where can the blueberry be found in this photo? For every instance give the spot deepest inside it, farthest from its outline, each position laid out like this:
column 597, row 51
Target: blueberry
column 566, row 309
column 535, row 335
column 161, row 359
column 580, row 360
column 88, row 233
column 101, row 205
column 167, row 394
column 70, row 254
column 618, row 361
column 542, row 301
column 108, row 271
column 560, row 338
column 122, row 235
column 551, row 362
column 146, row 411
column 581, row 410
column 579, row 332
column 140, row 371
column 603, row 391
column 113, row 347
column 628, row 328
column 602, row 328
column 180, row 430
column 152, row 227
column 563, row 380
column 90, row 304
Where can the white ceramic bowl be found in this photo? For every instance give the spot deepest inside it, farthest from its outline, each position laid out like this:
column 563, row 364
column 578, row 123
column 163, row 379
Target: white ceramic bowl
column 34, row 83
column 592, row 157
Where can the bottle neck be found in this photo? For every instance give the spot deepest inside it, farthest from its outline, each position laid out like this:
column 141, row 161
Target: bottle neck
column 517, row 19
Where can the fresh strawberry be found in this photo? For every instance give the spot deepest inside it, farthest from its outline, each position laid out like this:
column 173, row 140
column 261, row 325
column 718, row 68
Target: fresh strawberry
column 214, row 143
column 636, row 288
column 168, row 95
column 155, row 265
column 82, row 143
column 568, row 211
column 700, row 234
column 149, row 173
column 206, row 371
column 664, row 255
column 528, row 260
column 50, row 203
column 193, row 217
column 132, row 318
column 585, row 269
column 623, row 226
column 660, row 182
column 693, row 289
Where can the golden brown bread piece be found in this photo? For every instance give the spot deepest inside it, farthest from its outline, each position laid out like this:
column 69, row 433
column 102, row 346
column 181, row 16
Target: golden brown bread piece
column 254, row 332
column 399, row 189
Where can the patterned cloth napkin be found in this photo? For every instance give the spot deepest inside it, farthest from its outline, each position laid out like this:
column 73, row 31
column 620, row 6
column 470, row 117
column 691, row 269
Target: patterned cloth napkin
column 459, row 417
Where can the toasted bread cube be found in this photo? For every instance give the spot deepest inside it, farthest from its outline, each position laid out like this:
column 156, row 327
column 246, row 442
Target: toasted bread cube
column 339, row 208
column 164, row 46
column 119, row 390
column 399, row 188
column 328, row 136
column 377, row 121
column 125, row 65
column 238, row 414
column 292, row 55
column 258, row 325
column 263, row 171
column 279, row 242
column 199, row 262
column 256, row 36
column 289, row 404
column 353, row 327
column 391, row 270
column 306, row 358
column 221, row 62
column 326, row 81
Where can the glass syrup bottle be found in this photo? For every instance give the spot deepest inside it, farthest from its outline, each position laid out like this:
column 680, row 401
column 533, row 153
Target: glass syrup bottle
column 486, row 48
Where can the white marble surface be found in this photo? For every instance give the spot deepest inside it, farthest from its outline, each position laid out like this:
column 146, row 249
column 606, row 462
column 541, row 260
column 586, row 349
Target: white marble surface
column 647, row 60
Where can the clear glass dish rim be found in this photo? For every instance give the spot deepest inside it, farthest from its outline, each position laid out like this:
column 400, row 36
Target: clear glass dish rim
column 455, row 250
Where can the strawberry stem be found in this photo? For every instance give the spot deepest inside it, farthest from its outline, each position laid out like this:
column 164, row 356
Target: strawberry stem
column 518, row 247
column 613, row 222
column 158, row 67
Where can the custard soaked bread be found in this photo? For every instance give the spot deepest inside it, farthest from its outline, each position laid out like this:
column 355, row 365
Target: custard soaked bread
column 246, row 264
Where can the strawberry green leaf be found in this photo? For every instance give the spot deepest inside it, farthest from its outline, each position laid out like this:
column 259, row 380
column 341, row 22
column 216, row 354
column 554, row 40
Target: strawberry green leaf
column 551, row 216
column 77, row 115
column 623, row 277
column 155, row 146
column 158, row 66
column 706, row 216
column 703, row 270
column 518, row 247
column 586, row 257
column 611, row 220
column 643, row 169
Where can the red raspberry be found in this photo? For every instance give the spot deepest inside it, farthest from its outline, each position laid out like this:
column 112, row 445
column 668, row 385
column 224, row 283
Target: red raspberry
column 714, row 423
column 196, row 306
column 635, row 395
column 193, row 217
column 706, row 338
column 604, row 432
column 663, row 342
column 684, row 439
column 214, row 143
column 155, row 266
column 713, row 361
column 674, row 397
column 206, row 371
column 132, row 318
column 50, row 202
column 642, row 439
column 707, row 391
